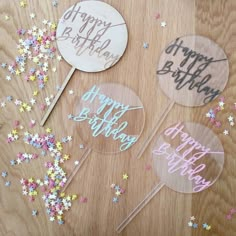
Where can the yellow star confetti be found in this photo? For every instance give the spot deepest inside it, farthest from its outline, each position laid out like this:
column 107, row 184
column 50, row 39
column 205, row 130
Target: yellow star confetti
column 24, row 105
column 28, row 108
column 58, row 144
column 32, row 78
column 35, row 93
column 23, row 3
column 66, row 157
column 31, row 180
column 45, row 79
column 208, row 227
column 36, row 60
column 48, row 130
column 125, row 176
column 17, row 72
column 14, row 131
column 53, row 26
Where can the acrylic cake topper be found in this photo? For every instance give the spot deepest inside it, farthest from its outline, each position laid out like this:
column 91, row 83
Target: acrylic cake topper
column 109, row 119
column 188, row 158
column 192, row 71
column 91, row 36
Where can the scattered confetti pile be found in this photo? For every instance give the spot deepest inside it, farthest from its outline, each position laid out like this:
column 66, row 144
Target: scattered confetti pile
column 194, row 225
column 118, row 190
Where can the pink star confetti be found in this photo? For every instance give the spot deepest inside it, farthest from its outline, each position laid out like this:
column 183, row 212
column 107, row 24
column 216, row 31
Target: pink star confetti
column 232, row 211
column 157, row 16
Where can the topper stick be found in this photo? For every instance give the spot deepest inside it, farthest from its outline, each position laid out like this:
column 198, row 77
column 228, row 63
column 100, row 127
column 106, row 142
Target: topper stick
column 75, row 170
column 140, row 206
column 157, row 126
column 67, row 79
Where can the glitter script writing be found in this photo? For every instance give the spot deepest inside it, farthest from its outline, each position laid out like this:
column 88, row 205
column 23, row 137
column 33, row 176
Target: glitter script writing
column 107, row 124
column 94, row 30
column 194, row 70
column 177, row 162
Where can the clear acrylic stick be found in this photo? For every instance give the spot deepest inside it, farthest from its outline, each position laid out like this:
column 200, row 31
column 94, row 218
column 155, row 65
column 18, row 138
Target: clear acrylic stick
column 76, row 169
column 155, row 129
column 140, row 206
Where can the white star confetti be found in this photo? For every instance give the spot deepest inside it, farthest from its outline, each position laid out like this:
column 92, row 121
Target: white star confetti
column 76, row 163
column 3, row 104
column 226, row 132
column 230, row 118
column 163, row 24
column 32, row 15
column 32, row 101
column 8, row 78
column 145, row 45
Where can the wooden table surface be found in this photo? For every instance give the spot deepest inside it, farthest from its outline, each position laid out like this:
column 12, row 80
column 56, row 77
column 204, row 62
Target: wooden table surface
column 169, row 212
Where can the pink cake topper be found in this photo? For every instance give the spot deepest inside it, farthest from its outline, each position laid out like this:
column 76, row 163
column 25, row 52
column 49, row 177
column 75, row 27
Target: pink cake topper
column 188, row 158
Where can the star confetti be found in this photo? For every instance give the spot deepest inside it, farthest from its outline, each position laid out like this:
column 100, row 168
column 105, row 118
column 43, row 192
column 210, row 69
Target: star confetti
column 76, row 163
column 25, row 157
column 7, row 17
column 55, row 3
column 56, row 202
column 229, row 216
column 157, row 16
column 163, row 24
column 23, row 3
column 226, row 132
column 4, row 174
column 190, row 223
column 8, row 184
column 34, row 213
column 118, row 190
column 115, row 199
column 35, row 47
column 194, row 225
column 83, row 199
column 145, row 45
column 32, row 15
column 213, row 117
column 125, row 176
column 71, row 92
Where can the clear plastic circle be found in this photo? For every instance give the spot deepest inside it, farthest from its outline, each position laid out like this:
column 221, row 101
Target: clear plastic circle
column 110, row 118
column 92, row 36
column 193, row 70
column 188, row 157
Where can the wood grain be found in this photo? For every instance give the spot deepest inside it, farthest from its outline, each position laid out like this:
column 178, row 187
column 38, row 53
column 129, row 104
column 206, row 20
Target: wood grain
column 168, row 213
